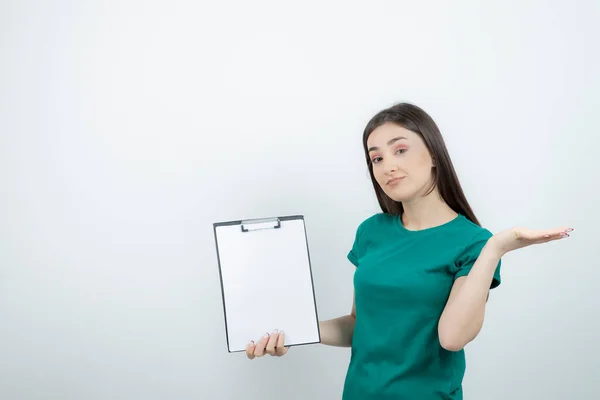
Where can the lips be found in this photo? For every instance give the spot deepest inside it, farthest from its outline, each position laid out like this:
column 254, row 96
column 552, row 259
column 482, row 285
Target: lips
column 393, row 181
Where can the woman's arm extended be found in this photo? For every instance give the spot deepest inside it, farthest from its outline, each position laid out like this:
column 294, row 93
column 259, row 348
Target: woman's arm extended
column 339, row 331
column 463, row 314
column 462, row 317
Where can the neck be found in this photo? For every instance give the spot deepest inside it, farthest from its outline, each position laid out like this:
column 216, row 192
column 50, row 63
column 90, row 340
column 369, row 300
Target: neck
column 426, row 212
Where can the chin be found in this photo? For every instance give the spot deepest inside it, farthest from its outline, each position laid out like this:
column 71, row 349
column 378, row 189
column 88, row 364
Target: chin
column 401, row 196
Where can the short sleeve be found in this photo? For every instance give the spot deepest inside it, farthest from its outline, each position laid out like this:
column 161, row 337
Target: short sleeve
column 469, row 255
column 356, row 251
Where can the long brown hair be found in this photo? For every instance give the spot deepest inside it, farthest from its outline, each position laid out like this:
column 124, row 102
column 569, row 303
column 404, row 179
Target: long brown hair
column 444, row 176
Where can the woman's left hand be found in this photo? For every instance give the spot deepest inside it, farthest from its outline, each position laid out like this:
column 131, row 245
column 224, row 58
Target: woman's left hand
column 516, row 238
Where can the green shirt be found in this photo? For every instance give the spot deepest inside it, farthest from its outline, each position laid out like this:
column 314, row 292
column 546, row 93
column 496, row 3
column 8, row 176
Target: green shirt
column 402, row 282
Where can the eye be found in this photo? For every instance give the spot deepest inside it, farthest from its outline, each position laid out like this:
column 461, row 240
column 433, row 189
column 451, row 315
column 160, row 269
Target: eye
column 376, row 160
column 401, row 151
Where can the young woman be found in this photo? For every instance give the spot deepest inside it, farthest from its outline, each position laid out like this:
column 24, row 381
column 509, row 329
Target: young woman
column 424, row 269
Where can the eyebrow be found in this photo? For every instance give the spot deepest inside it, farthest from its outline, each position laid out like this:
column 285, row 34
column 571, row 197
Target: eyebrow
column 389, row 143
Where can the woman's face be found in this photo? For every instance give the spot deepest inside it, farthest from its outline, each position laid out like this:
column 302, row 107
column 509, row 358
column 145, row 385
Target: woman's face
column 401, row 162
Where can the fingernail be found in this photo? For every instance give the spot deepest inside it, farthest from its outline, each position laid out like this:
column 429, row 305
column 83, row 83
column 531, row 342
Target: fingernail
column 570, row 230
column 252, row 343
column 563, row 234
column 275, row 332
column 266, row 335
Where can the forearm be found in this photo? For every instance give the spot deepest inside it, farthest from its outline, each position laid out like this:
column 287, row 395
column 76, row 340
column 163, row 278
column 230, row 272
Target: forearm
column 337, row 331
column 463, row 315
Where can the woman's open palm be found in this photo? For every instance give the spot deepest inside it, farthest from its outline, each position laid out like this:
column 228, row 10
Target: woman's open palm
column 516, row 238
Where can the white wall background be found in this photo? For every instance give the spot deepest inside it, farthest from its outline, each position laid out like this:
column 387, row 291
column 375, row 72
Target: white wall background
column 128, row 127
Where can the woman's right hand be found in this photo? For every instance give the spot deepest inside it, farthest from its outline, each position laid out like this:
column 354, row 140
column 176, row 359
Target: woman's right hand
column 272, row 344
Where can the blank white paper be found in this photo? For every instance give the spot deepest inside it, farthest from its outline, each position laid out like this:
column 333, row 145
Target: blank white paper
column 267, row 284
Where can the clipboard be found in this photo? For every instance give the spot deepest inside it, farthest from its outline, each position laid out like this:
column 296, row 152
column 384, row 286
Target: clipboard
column 266, row 281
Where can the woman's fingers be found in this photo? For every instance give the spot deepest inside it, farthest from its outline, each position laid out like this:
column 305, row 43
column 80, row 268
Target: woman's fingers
column 526, row 237
column 553, row 234
column 270, row 349
column 280, row 348
column 259, row 348
column 272, row 344
column 250, row 350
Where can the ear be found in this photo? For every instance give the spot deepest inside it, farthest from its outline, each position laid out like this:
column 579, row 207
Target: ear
column 433, row 162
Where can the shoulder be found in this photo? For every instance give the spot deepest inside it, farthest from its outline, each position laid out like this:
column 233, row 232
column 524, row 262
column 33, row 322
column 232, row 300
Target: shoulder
column 471, row 238
column 373, row 222
column 471, row 232
column 368, row 231
column 372, row 228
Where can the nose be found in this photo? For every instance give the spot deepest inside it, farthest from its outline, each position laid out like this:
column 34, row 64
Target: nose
column 390, row 168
